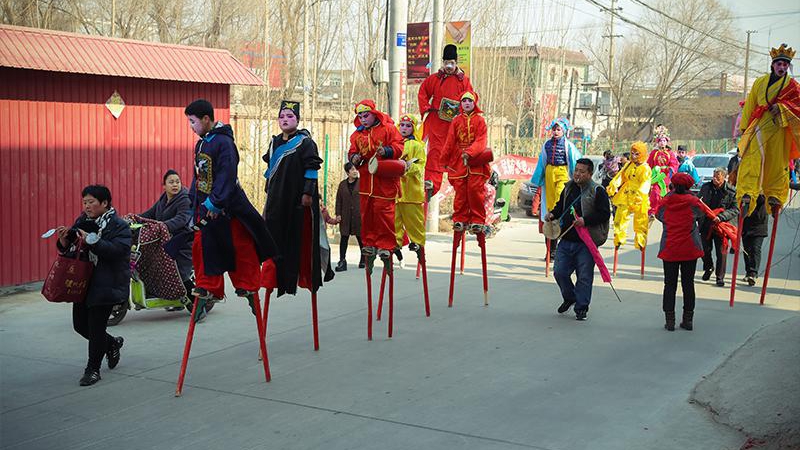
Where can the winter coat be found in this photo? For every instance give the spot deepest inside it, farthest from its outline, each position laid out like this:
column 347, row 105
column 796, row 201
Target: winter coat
column 680, row 237
column 718, row 197
column 111, row 277
column 348, row 207
column 176, row 215
column 755, row 225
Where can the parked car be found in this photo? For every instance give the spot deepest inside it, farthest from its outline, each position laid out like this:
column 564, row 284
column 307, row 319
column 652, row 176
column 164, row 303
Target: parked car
column 705, row 163
column 527, row 190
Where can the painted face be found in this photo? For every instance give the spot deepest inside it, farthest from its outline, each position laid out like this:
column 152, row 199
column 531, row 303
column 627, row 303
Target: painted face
column 367, row 118
column 581, row 174
column 780, row 67
column 635, row 156
column 557, row 131
column 406, row 129
column 172, row 185
column 449, row 66
column 94, row 208
column 467, row 105
column 718, row 178
column 287, row 121
column 200, row 126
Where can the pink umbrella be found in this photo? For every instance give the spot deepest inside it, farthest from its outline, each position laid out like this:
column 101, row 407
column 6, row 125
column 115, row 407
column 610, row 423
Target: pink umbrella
column 598, row 259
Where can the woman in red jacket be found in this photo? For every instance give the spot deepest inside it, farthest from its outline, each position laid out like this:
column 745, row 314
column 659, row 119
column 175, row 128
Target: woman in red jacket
column 680, row 246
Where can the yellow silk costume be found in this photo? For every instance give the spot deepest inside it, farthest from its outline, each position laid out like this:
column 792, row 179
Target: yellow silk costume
column 409, row 213
column 629, row 191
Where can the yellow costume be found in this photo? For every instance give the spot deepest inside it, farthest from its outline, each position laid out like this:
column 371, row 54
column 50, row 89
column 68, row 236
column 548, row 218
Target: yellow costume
column 769, row 141
column 629, row 191
column 409, row 213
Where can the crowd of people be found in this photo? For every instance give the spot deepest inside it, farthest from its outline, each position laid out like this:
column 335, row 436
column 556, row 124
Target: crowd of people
column 215, row 229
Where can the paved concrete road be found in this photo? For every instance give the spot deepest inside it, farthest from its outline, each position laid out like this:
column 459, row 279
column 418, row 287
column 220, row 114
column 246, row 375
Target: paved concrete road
column 513, row 375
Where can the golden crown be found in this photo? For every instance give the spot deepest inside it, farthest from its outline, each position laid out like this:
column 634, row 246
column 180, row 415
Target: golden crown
column 782, row 52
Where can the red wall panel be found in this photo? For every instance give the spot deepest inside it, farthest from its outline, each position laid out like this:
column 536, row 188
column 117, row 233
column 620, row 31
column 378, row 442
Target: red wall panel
column 56, row 136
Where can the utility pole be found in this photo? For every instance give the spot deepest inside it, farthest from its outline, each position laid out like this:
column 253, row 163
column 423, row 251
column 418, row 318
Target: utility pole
column 612, row 11
column 437, row 41
column 398, row 26
column 306, row 39
column 747, row 62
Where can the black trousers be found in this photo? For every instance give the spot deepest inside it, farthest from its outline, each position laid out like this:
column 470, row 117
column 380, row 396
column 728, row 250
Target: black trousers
column 708, row 262
column 686, row 269
column 91, row 322
column 752, row 254
column 343, row 245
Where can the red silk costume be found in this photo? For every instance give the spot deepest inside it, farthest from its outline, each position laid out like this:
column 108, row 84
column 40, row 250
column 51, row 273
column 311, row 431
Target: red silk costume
column 467, row 135
column 667, row 162
column 378, row 194
column 436, row 87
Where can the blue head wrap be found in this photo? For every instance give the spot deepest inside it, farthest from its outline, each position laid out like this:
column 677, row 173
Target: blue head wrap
column 562, row 122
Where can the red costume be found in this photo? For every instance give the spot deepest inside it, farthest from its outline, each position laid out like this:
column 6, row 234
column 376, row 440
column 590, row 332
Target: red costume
column 436, row 88
column 378, row 194
column 467, row 136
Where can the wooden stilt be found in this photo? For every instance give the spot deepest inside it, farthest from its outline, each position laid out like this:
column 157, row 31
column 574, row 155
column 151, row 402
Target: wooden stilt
column 463, row 251
column 418, row 269
column 369, row 300
column 423, row 264
column 265, row 318
column 314, row 320
column 380, row 296
column 262, row 336
column 641, row 273
column 456, row 241
column 743, row 207
column 482, row 244
column 616, row 258
column 187, row 347
column 390, row 269
column 776, row 212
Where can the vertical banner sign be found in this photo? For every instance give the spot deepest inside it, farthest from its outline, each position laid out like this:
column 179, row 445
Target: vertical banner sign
column 460, row 35
column 548, row 112
column 402, row 41
column 418, row 52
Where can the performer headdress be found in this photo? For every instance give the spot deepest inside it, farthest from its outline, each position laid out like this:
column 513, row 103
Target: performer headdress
column 368, row 105
column 450, row 52
column 414, row 122
column 641, row 148
column 661, row 134
column 782, row 53
column 562, row 122
column 294, row 106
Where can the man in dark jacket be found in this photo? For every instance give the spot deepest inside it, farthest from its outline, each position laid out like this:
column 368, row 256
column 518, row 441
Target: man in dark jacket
column 348, row 213
column 754, row 230
column 233, row 237
column 583, row 203
column 717, row 194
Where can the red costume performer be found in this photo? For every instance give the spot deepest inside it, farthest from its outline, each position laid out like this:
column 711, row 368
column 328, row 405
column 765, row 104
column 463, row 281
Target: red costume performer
column 662, row 159
column 466, row 142
column 376, row 137
column 439, row 98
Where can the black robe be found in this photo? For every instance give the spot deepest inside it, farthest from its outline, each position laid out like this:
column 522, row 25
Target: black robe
column 290, row 177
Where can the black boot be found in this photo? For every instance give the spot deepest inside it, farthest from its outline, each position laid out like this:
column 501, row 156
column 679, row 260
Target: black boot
column 90, row 377
column 686, row 323
column 669, row 324
column 342, row 266
column 113, row 353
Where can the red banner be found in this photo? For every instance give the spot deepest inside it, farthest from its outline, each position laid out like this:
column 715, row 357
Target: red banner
column 513, row 167
column 548, row 112
column 418, row 52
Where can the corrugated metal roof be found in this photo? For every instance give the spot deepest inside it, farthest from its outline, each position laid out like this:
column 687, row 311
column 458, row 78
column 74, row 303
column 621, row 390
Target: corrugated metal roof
column 37, row 49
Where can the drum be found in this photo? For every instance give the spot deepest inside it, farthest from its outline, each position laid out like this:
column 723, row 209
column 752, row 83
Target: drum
column 552, row 230
column 386, row 168
column 485, row 157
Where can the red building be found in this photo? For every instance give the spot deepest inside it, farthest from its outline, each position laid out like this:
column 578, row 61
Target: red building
column 78, row 110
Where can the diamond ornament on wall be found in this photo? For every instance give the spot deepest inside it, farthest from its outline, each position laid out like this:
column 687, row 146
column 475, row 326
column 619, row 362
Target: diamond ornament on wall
column 115, row 104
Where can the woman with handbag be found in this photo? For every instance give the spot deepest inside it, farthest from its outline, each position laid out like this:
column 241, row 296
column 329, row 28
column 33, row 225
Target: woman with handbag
column 106, row 240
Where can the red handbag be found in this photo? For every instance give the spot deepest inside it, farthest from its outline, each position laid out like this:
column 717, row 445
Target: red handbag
column 68, row 279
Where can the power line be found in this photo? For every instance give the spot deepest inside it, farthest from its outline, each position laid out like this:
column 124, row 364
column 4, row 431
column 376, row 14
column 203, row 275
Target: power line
column 631, row 22
column 705, row 33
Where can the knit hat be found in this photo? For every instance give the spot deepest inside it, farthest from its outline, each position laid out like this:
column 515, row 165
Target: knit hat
column 683, row 179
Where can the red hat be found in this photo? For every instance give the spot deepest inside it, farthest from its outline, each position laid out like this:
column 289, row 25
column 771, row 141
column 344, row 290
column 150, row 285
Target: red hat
column 683, row 179
column 368, row 105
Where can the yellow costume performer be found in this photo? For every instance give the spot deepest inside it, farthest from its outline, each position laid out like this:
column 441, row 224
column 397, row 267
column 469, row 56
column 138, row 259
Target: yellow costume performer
column 770, row 129
column 629, row 191
column 409, row 213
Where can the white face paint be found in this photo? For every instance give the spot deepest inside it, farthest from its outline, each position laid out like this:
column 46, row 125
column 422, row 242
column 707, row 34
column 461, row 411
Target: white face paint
column 287, row 120
column 467, row 105
column 449, row 65
column 780, row 67
column 367, row 119
column 406, row 129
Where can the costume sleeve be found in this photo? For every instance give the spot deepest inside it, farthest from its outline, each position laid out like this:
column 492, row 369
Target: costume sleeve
column 182, row 217
column 673, row 164
column 447, row 156
column 311, row 160
column 616, row 182
column 643, row 173
column 224, row 184
column 602, row 208
column 353, row 149
column 749, row 104
column 479, row 145
column 651, row 158
column 425, row 96
column 416, row 150
column 537, row 179
column 117, row 246
column 396, row 142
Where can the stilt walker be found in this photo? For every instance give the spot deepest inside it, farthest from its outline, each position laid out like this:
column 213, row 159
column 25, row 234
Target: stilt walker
column 664, row 164
column 467, row 159
column 230, row 235
column 770, row 128
column 375, row 149
column 629, row 191
column 553, row 170
column 293, row 214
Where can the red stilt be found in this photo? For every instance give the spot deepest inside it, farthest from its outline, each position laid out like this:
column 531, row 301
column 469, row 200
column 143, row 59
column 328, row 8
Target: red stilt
column 482, row 244
column 314, row 320
column 641, row 274
column 743, row 207
column 380, row 296
column 616, row 257
column 262, row 336
column 776, row 212
column 547, row 258
column 369, row 301
column 265, row 318
column 463, row 251
column 187, row 347
column 418, row 268
column 456, row 241
column 390, row 269
column 423, row 263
